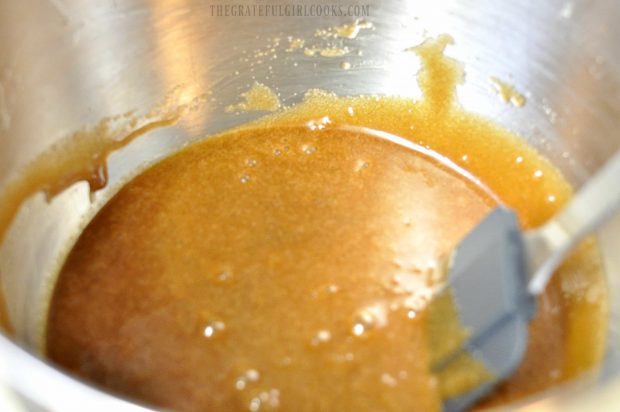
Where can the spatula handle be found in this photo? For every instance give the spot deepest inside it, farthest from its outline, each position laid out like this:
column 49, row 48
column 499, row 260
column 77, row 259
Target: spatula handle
column 596, row 202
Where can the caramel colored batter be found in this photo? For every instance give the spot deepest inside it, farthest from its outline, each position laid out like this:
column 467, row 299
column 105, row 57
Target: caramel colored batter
column 258, row 98
column 286, row 265
column 507, row 93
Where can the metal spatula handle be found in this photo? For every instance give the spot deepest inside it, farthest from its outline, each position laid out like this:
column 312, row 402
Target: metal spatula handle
column 596, row 202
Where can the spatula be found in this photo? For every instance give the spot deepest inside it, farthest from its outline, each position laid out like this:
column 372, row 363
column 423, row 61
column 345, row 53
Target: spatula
column 497, row 270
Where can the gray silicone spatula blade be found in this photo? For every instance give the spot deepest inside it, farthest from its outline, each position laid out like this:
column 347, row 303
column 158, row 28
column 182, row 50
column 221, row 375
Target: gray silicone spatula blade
column 497, row 270
column 488, row 283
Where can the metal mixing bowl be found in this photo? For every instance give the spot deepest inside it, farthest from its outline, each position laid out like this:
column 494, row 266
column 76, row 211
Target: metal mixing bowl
column 65, row 64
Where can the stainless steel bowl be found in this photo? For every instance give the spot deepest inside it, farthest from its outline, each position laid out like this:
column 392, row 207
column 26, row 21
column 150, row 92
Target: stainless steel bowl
column 65, row 64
